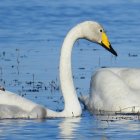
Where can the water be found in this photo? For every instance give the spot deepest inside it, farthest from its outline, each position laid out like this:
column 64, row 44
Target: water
column 31, row 35
column 86, row 127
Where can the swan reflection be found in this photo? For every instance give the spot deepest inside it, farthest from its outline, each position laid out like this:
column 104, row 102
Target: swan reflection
column 68, row 127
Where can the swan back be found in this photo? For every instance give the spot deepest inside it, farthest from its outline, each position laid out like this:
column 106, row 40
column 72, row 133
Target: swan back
column 115, row 89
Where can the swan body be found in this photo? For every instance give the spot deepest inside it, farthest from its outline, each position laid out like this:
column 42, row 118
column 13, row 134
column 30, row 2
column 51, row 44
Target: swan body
column 115, row 90
column 14, row 106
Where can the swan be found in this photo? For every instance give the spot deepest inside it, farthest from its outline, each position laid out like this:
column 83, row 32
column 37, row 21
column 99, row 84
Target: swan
column 15, row 106
column 114, row 91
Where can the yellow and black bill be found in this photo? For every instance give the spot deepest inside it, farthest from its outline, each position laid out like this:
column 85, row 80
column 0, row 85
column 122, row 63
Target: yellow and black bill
column 106, row 44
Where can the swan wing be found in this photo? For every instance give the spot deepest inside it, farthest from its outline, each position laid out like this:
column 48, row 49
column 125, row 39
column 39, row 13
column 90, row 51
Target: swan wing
column 112, row 90
column 11, row 99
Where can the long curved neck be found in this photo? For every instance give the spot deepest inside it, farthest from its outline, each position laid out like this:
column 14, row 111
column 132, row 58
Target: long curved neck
column 72, row 105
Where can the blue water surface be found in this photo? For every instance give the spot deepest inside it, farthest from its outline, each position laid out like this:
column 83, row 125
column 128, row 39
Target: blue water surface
column 31, row 35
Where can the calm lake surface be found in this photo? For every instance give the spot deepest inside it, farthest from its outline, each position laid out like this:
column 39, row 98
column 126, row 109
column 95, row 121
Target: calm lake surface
column 31, row 35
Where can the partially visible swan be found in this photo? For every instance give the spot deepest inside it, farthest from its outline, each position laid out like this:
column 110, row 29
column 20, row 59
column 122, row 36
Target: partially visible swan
column 114, row 90
column 14, row 106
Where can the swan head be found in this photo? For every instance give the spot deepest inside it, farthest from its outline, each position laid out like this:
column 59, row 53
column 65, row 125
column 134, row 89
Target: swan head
column 94, row 32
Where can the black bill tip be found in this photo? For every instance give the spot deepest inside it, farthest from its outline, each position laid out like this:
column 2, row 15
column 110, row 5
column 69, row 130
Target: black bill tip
column 110, row 49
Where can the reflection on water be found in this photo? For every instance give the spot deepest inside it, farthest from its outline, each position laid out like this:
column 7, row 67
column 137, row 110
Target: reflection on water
column 68, row 127
column 11, row 127
column 86, row 127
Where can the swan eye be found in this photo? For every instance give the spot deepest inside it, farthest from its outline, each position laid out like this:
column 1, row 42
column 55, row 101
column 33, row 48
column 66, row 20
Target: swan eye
column 101, row 30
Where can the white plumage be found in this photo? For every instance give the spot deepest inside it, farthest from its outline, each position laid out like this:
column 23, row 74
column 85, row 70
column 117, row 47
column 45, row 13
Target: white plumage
column 14, row 106
column 114, row 90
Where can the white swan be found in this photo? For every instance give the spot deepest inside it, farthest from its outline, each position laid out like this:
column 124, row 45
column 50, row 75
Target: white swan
column 14, row 106
column 114, row 90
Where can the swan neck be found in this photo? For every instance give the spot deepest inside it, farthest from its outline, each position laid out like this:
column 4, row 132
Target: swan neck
column 72, row 105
